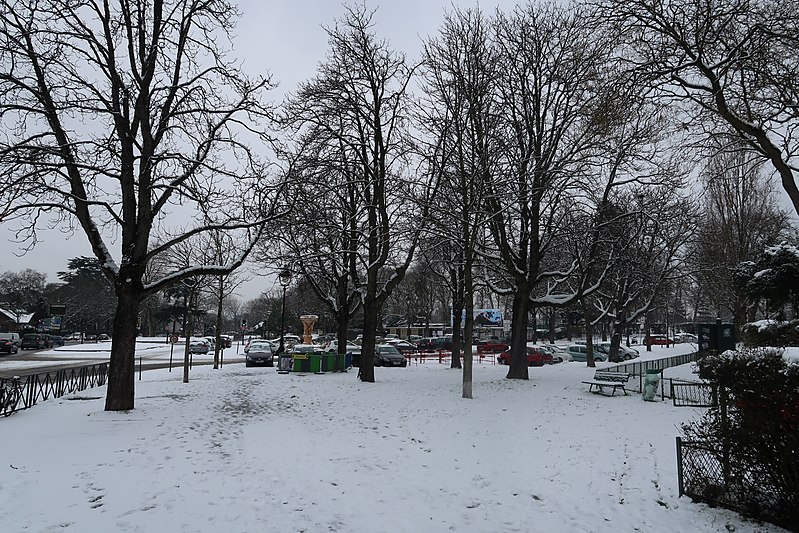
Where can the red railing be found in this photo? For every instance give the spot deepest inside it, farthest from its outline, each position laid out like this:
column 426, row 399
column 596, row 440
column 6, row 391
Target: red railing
column 445, row 357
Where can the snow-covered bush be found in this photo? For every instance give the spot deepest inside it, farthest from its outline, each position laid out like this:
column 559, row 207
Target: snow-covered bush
column 770, row 333
column 754, row 431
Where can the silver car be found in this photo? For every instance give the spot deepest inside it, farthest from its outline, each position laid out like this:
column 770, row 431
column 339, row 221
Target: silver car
column 580, row 353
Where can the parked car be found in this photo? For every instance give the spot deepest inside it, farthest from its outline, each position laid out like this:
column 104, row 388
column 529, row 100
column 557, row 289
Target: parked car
column 199, row 346
column 274, row 345
column 259, row 353
column 580, row 353
column 57, row 340
column 34, row 341
column 12, row 336
column 535, row 356
column 658, row 340
column 8, row 346
column 626, row 353
column 305, row 348
column 289, row 340
column 403, row 346
column 103, row 337
column 559, row 355
column 434, row 344
column 388, row 355
column 491, row 345
column 687, row 337
column 226, row 341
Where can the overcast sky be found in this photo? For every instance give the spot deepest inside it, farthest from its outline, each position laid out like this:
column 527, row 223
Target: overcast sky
column 287, row 39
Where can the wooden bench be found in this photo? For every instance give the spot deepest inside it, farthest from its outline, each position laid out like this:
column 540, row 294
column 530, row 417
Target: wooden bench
column 609, row 379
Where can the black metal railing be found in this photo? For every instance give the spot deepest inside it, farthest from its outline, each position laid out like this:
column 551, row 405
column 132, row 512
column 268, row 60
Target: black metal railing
column 24, row 392
column 688, row 394
column 706, row 472
column 638, row 369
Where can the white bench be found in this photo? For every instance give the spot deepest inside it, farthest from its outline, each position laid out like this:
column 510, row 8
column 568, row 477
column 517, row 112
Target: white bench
column 609, row 379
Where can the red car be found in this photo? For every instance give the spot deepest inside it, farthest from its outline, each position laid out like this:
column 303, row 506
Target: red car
column 535, row 357
column 7, row 346
column 658, row 340
column 492, row 345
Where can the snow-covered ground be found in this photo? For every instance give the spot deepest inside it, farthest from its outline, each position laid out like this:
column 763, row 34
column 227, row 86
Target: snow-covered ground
column 249, row 450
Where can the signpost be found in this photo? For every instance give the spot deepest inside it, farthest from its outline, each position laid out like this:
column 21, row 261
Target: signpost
column 172, row 341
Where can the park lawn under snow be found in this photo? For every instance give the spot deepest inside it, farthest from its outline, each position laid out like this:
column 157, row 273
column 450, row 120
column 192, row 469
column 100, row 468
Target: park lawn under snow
column 246, row 449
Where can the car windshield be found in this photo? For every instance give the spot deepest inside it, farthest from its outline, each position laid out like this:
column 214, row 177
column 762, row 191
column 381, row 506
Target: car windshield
column 388, row 350
column 304, row 348
column 260, row 347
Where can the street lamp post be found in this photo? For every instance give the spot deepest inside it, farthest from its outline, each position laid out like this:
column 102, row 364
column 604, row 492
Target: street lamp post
column 285, row 278
column 408, row 319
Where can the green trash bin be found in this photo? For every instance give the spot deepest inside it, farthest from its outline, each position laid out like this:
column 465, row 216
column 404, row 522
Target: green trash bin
column 651, row 381
column 315, row 362
column 333, row 362
column 306, row 362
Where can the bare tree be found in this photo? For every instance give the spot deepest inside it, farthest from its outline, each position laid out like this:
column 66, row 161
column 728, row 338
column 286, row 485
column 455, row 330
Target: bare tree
column 357, row 103
column 118, row 116
column 650, row 260
column 219, row 249
column 321, row 242
column 734, row 61
column 740, row 218
column 460, row 120
column 551, row 75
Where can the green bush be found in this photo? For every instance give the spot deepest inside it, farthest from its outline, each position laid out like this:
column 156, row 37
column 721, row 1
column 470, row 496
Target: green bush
column 755, row 431
column 770, row 333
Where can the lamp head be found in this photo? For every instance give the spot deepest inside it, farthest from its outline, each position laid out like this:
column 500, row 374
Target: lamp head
column 285, row 277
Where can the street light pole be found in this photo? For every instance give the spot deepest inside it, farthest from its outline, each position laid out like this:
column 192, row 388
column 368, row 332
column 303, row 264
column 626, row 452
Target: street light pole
column 285, row 280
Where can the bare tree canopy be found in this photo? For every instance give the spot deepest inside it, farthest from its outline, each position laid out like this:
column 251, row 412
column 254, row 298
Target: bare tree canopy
column 736, row 61
column 119, row 117
column 352, row 118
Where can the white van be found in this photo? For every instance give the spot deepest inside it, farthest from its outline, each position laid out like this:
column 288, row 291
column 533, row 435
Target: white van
column 13, row 336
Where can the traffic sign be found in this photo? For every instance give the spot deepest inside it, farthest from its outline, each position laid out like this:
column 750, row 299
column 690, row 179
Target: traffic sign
column 174, row 338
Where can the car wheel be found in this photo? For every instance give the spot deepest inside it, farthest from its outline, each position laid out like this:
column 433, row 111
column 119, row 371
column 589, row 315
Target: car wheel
column 248, row 364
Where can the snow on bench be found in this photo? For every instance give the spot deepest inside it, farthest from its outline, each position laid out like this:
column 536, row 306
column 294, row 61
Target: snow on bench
column 609, row 379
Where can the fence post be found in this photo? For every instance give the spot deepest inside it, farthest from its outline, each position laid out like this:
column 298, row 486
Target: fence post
column 680, row 487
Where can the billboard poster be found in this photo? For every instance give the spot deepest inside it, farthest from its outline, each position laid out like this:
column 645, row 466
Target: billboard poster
column 485, row 318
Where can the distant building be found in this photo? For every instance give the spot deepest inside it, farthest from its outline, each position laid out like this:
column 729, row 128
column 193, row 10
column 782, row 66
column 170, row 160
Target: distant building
column 9, row 321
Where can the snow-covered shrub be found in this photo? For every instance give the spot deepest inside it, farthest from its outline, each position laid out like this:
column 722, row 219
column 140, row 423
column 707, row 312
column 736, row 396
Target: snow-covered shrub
column 754, row 431
column 770, row 333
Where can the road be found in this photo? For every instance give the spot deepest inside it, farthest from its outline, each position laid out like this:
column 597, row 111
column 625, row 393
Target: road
column 26, row 362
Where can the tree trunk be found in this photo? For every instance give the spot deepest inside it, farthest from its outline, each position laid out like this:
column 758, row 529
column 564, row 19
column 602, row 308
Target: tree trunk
column 518, row 336
column 615, row 342
column 589, row 343
column 122, row 367
column 218, row 344
column 458, row 340
column 342, row 325
column 468, row 331
column 366, row 372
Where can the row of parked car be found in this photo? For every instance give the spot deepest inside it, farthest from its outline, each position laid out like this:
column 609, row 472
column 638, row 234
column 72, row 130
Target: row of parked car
column 11, row 343
column 547, row 354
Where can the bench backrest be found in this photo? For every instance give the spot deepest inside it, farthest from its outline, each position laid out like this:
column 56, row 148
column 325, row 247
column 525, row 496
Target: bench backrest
column 604, row 375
